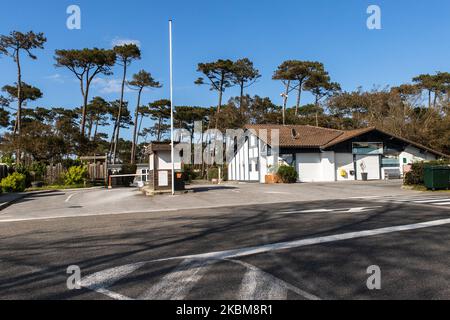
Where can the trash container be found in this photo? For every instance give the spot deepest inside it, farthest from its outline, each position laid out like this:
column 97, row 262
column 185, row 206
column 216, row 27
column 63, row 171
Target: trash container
column 437, row 177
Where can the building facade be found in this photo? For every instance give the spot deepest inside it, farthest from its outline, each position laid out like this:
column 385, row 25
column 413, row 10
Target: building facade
column 325, row 155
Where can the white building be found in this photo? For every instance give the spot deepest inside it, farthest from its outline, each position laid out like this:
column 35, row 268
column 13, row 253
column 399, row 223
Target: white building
column 321, row 154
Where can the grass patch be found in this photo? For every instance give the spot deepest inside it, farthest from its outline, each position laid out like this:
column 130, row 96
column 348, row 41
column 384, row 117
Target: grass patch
column 60, row 187
column 423, row 188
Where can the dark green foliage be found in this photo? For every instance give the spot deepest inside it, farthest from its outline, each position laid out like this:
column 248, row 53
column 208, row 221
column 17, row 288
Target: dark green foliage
column 86, row 64
column 129, row 169
column 416, row 176
column 287, row 174
column 190, row 174
column 213, row 173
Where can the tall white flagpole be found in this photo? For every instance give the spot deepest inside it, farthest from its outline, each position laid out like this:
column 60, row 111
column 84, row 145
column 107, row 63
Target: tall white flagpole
column 171, row 109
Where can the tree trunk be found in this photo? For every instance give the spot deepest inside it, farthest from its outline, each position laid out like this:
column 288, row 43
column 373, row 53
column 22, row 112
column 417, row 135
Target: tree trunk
column 429, row 99
column 119, row 116
column 285, row 100
column 317, row 111
column 90, row 125
column 435, row 100
column 85, row 103
column 158, row 133
column 96, row 129
column 220, row 99
column 241, row 100
column 111, row 146
column 139, row 129
column 136, row 116
column 299, row 97
column 18, row 123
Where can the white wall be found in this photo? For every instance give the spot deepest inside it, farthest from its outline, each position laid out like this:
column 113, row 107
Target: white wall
column 309, row 167
column 412, row 154
column 344, row 161
column 372, row 163
column 328, row 166
column 238, row 168
column 165, row 161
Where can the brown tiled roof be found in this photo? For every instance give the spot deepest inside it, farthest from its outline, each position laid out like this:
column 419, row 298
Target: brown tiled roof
column 316, row 137
column 305, row 136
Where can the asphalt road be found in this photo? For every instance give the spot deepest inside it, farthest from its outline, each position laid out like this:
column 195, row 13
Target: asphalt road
column 315, row 250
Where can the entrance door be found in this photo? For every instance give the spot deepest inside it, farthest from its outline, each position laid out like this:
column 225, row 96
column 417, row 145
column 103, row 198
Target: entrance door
column 371, row 164
column 309, row 167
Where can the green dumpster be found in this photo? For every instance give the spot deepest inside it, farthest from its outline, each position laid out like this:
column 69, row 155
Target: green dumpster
column 437, row 177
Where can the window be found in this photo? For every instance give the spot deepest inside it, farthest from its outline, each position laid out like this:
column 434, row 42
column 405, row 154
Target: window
column 368, row 148
column 250, row 167
column 390, row 162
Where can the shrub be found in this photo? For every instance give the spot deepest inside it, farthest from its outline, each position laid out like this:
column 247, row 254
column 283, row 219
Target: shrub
column 38, row 170
column 75, row 175
column 128, row 169
column 15, row 182
column 190, row 174
column 213, row 173
column 416, row 176
column 287, row 174
column 22, row 169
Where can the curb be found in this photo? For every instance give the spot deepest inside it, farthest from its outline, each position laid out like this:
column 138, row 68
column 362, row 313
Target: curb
column 6, row 204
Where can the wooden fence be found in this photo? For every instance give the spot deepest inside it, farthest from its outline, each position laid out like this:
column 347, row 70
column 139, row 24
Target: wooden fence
column 96, row 172
column 54, row 174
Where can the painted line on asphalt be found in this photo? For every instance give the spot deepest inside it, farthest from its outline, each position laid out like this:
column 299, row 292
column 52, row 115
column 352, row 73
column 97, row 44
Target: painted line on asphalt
column 432, row 201
column 244, row 252
column 172, row 209
column 260, row 285
column 70, row 197
column 442, row 204
column 177, row 284
column 343, row 210
column 101, row 281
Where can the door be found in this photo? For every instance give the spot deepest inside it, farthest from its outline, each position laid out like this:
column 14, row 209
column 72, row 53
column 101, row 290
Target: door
column 309, row 167
column 369, row 164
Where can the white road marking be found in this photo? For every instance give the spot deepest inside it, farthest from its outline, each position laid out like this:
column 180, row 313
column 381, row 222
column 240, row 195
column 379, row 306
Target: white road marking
column 100, row 281
column 177, row 284
column 366, row 197
column 343, row 210
column 70, row 197
column 260, row 285
column 256, row 286
column 442, row 204
column 113, row 295
column 239, row 253
column 277, row 192
column 432, row 201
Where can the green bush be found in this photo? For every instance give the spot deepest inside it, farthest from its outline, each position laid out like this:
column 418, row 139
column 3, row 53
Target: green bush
column 22, row 169
column 128, row 169
column 15, row 182
column 287, row 174
column 213, row 173
column 416, row 176
column 190, row 174
column 75, row 175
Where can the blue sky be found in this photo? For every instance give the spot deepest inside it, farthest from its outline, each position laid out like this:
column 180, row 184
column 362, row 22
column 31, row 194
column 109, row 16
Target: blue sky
column 412, row 41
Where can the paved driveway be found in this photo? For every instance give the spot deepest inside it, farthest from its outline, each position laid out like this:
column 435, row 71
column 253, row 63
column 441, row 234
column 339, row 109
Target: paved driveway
column 59, row 204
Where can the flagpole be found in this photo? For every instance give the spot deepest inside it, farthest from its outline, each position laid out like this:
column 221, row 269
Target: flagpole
column 171, row 109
